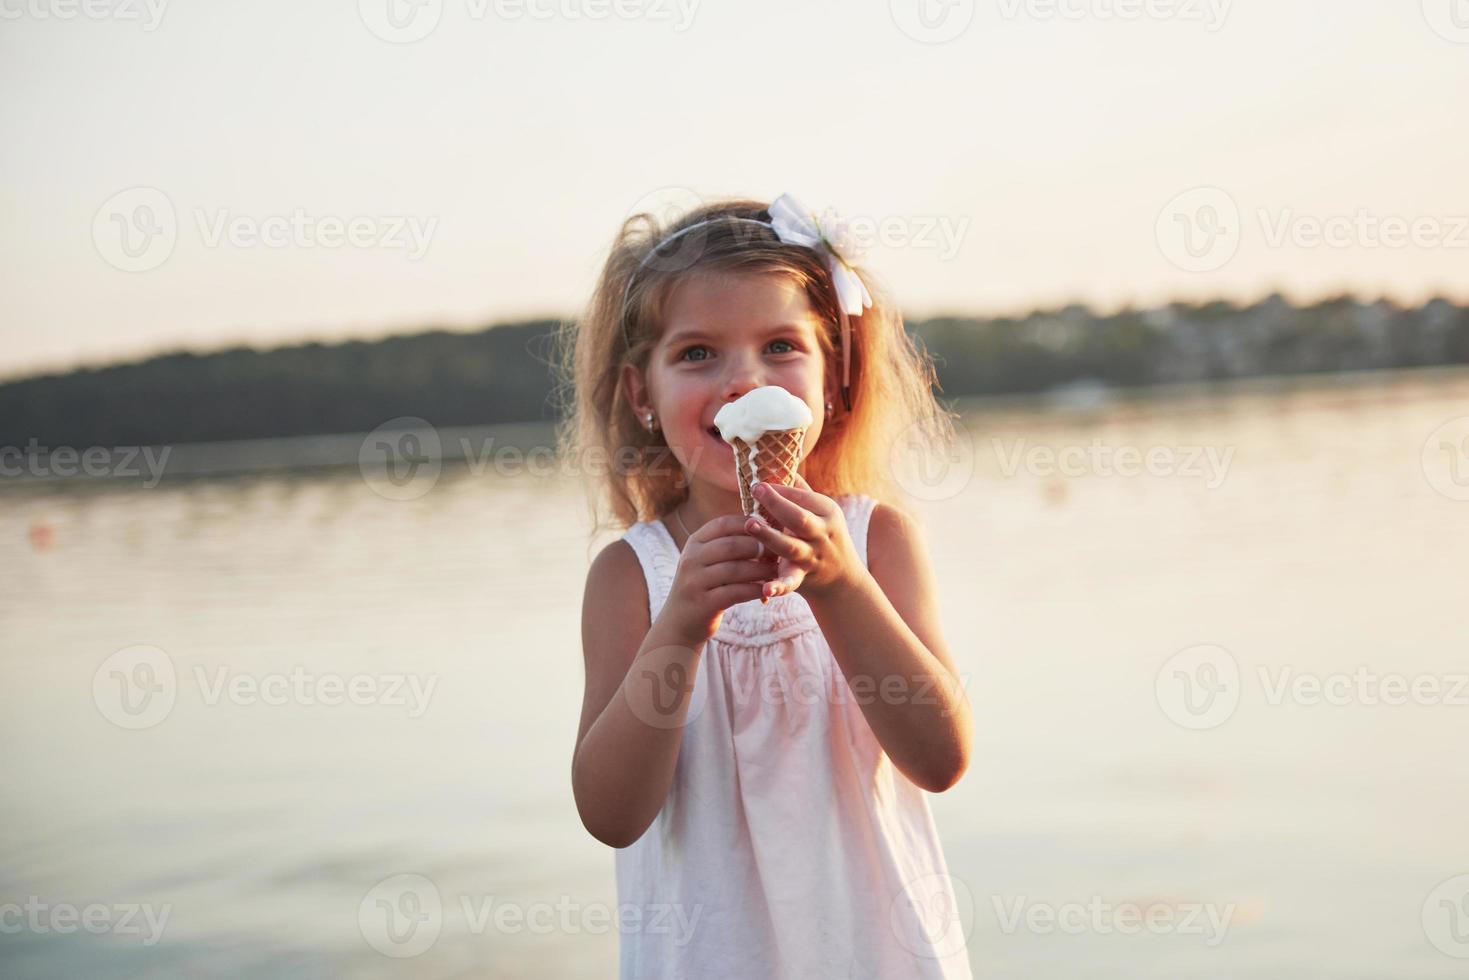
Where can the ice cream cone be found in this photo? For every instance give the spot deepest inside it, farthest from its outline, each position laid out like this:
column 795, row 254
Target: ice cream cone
column 766, row 427
column 773, row 459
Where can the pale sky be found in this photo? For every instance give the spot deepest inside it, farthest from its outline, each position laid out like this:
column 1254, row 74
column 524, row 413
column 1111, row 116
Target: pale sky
column 1036, row 157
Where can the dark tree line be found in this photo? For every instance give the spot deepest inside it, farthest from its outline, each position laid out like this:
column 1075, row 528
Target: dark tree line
column 507, row 373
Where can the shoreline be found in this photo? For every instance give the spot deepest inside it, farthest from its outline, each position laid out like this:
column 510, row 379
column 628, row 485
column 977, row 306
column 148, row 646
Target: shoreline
column 456, row 445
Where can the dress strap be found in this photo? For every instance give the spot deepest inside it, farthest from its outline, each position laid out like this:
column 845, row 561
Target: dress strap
column 658, row 556
column 857, row 508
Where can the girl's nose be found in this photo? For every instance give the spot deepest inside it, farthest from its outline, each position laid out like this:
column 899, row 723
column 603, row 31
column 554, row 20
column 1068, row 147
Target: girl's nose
column 738, row 389
column 744, row 376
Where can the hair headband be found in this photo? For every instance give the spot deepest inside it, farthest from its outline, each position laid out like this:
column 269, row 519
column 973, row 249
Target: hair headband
column 794, row 225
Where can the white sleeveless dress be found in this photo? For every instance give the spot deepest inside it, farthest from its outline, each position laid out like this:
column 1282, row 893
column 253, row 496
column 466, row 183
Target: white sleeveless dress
column 789, row 845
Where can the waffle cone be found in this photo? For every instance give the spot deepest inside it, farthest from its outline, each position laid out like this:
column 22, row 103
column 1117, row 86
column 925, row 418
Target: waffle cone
column 774, row 459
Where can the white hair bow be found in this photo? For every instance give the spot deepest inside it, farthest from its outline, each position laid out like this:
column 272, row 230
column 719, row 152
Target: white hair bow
column 828, row 233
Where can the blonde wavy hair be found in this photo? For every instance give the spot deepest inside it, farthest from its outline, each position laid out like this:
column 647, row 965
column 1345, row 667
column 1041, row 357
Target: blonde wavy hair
column 895, row 419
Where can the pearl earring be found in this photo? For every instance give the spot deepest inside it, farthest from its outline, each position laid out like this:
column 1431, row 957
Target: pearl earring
column 829, row 409
column 650, row 421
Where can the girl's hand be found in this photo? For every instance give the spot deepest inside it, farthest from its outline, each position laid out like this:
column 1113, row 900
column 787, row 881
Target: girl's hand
column 814, row 553
column 716, row 569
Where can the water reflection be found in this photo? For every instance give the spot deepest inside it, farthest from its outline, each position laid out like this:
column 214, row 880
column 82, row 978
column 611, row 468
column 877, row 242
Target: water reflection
column 1321, row 547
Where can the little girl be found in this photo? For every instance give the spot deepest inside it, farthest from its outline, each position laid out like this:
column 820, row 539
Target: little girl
column 761, row 765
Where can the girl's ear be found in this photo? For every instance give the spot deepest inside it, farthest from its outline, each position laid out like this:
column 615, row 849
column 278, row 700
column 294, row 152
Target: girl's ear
column 635, row 390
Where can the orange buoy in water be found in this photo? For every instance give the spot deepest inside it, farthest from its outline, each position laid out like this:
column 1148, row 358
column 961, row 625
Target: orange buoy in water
column 43, row 535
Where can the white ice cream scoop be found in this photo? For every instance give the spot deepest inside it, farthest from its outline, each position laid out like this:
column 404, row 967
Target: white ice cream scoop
column 766, row 409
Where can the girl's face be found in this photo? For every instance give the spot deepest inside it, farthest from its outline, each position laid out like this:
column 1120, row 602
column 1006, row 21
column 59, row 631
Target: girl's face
column 724, row 335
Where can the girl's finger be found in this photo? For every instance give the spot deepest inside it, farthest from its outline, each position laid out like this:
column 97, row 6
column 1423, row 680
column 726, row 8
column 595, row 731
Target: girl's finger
column 727, row 525
column 784, row 585
column 796, row 519
column 740, row 570
column 776, row 542
column 803, row 496
column 729, row 595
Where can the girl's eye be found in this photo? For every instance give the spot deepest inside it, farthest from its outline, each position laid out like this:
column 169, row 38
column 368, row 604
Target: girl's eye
column 697, row 347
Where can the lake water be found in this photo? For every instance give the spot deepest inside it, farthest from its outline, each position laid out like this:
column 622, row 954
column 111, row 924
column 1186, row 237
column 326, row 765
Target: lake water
column 1182, row 682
